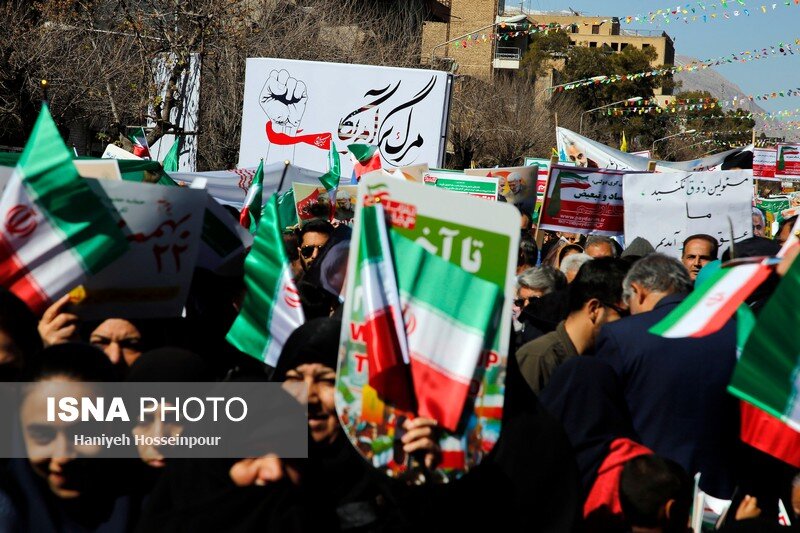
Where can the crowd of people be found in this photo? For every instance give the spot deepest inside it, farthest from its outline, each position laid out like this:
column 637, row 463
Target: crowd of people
column 604, row 424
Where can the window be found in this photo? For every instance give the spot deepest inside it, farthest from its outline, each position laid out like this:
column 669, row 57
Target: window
column 645, row 45
column 615, row 47
column 592, row 45
column 595, row 29
column 623, row 46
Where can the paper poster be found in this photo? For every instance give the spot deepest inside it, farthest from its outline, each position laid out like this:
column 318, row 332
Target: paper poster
column 788, row 162
column 517, row 184
column 586, row 152
column 583, row 200
column 481, row 238
column 412, row 172
column 115, row 152
column 152, row 279
column 667, row 208
column 643, row 153
column 764, row 163
column 484, row 188
column 294, row 110
column 313, row 202
column 107, row 169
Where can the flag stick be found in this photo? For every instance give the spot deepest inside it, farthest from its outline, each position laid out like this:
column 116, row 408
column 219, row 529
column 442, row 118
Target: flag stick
column 283, row 175
column 44, row 85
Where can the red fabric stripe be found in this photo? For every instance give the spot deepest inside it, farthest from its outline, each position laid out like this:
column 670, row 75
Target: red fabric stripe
column 438, row 396
column 244, row 217
column 726, row 311
column 388, row 373
column 490, row 412
column 15, row 277
column 452, row 459
column 374, row 163
column 320, row 140
column 768, row 434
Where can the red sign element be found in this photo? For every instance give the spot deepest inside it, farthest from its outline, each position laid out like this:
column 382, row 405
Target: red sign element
column 320, row 140
column 21, row 220
column 292, row 297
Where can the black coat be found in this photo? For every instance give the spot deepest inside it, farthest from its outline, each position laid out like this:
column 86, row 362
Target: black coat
column 676, row 391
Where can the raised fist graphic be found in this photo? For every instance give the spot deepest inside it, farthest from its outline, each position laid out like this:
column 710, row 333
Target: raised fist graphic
column 284, row 99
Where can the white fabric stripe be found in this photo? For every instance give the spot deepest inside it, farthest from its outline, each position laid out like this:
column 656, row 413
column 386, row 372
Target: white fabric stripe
column 698, row 317
column 794, row 413
column 284, row 319
column 51, row 263
column 443, row 344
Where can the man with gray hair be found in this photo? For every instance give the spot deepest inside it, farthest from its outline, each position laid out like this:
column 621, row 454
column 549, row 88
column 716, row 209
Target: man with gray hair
column 599, row 246
column 572, row 263
column 676, row 389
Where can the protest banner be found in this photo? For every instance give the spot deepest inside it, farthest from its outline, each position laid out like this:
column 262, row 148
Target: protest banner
column 586, row 152
column 543, row 166
column 465, row 232
column 773, row 208
column 583, row 200
column 666, row 208
column 223, row 239
column 229, row 187
column 764, row 163
column 644, row 153
column 163, row 227
column 517, row 184
column 479, row 187
column 312, row 201
column 401, row 111
column 788, row 162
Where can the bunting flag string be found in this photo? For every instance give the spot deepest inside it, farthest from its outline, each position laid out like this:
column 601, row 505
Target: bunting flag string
column 695, row 66
column 705, row 12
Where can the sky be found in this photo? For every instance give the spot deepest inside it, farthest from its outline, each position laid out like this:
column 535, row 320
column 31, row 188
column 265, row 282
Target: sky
column 716, row 38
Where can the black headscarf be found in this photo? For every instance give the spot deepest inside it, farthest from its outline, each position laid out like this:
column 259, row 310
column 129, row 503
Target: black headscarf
column 316, row 341
column 585, row 395
column 169, row 365
column 20, row 324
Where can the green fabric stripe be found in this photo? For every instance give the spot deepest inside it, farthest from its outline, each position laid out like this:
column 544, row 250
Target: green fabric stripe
column 66, row 198
column 685, row 306
column 370, row 246
column 263, row 271
column 441, row 285
column 257, row 201
column 170, row 163
column 287, row 210
column 362, row 152
column 765, row 371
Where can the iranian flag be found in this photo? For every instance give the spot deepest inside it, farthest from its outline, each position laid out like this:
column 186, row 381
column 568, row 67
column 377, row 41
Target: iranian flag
column 384, row 332
column 251, row 209
column 139, row 140
column 271, row 310
column 712, row 304
column 448, row 317
column 55, row 231
column 767, row 374
column 330, row 180
column 365, row 157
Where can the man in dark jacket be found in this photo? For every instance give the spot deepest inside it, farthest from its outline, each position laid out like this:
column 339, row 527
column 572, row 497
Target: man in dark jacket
column 675, row 388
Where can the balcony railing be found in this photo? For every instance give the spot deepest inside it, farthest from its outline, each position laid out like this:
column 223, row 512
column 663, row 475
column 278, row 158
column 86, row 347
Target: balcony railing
column 510, row 53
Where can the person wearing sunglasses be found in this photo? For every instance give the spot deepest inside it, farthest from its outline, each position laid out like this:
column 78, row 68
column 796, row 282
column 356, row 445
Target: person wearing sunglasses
column 313, row 236
column 595, row 299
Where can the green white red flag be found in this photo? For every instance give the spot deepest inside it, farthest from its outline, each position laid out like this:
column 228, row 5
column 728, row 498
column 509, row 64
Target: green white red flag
column 56, row 231
column 330, row 180
column 768, row 372
column 170, row 163
column 251, row 209
column 140, row 146
column 448, row 318
column 366, row 158
column 271, row 310
column 712, row 304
